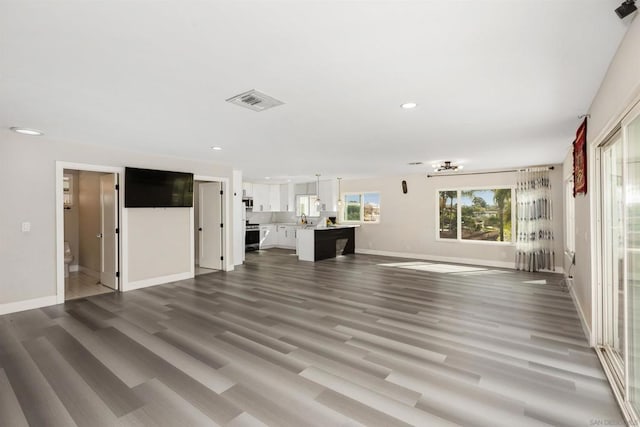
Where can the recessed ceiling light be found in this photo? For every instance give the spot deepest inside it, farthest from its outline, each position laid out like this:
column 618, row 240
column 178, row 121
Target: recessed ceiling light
column 216, row 148
column 409, row 105
column 25, row 131
column 267, row 177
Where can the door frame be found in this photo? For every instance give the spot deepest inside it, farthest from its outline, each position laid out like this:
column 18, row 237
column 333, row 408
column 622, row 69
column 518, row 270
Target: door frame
column 227, row 263
column 59, row 215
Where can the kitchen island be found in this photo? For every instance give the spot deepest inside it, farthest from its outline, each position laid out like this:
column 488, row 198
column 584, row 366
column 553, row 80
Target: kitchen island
column 315, row 244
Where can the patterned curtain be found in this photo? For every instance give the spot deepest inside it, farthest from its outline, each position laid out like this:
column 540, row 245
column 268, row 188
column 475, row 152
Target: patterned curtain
column 534, row 245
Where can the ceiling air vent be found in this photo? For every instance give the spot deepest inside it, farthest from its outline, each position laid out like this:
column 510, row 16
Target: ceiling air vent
column 255, row 100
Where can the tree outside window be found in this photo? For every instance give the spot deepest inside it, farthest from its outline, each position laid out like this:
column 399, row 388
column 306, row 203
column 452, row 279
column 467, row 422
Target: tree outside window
column 362, row 207
column 448, row 201
column 483, row 215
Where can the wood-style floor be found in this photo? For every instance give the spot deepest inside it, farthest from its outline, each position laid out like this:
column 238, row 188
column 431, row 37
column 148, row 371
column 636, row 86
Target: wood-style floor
column 279, row 342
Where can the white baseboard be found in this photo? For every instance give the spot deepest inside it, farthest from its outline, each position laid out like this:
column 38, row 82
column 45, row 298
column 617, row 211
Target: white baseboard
column 157, row 281
column 583, row 319
column 29, row 304
column 74, row 268
column 89, row 272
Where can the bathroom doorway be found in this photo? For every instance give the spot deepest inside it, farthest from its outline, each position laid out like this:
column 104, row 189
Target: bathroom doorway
column 208, row 200
column 90, row 232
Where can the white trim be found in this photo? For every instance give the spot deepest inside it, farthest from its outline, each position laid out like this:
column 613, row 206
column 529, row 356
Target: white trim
column 145, row 283
column 192, row 238
column 29, row 304
column 583, row 319
column 626, row 408
column 59, row 215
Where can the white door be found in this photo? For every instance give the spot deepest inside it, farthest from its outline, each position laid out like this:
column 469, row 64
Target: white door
column 210, row 225
column 108, row 230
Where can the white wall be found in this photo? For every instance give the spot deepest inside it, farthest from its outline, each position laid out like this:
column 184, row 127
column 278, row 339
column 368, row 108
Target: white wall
column 621, row 85
column 28, row 260
column 159, row 242
column 408, row 221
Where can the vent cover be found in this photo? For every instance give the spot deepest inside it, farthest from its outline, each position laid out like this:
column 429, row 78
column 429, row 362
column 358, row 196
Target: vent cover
column 255, row 100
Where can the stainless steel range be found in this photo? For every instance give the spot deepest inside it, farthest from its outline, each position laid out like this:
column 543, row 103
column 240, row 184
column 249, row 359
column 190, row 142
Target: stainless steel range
column 252, row 237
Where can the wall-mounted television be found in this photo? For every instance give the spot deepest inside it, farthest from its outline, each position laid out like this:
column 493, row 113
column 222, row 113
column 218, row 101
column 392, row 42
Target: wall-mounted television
column 148, row 188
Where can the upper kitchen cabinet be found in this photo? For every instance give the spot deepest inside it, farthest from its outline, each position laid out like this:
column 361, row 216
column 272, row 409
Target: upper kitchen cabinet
column 261, row 196
column 247, row 189
column 287, row 197
column 329, row 195
column 266, row 198
column 274, row 198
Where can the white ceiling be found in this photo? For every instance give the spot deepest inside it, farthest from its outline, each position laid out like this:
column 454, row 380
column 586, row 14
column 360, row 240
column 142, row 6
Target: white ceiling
column 498, row 83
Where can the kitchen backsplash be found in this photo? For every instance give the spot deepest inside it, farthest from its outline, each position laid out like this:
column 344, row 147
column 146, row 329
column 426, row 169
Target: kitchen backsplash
column 281, row 217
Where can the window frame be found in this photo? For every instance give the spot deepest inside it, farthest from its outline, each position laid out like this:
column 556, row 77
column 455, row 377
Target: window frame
column 361, row 194
column 308, row 213
column 459, row 238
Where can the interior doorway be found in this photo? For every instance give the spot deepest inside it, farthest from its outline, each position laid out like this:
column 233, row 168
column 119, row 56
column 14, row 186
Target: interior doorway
column 88, row 255
column 209, row 227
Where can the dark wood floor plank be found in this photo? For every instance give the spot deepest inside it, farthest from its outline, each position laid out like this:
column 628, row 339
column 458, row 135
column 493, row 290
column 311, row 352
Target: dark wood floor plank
column 38, row 400
column 83, row 404
column 113, row 392
column 10, row 411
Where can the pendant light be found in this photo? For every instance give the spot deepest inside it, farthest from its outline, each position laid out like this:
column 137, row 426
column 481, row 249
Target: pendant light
column 339, row 194
column 317, row 190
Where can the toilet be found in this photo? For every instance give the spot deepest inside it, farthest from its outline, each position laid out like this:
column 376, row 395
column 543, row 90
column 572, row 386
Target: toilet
column 67, row 258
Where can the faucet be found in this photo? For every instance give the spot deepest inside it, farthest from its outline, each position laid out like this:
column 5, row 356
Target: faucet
column 303, row 219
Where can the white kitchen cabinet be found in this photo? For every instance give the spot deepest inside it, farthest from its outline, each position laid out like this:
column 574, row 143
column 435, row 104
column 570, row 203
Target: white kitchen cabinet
column 287, row 236
column 329, row 195
column 266, row 198
column 261, row 195
column 274, row 198
column 268, row 236
column 287, row 198
column 247, row 189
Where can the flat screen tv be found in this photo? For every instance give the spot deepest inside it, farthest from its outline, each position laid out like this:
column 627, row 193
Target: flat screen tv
column 148, row 188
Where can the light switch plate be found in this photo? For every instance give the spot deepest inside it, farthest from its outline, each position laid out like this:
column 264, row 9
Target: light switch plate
column 26, row 227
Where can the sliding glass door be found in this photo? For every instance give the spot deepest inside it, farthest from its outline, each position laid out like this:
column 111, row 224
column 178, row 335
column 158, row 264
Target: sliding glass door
column 613, row 253
column 619, row 293
column 631, row 129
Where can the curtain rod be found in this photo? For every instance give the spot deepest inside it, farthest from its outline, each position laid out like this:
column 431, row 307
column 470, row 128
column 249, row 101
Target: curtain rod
column 489, row 172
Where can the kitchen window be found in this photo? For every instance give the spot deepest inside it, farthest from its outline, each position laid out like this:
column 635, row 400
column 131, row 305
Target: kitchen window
column 361, row 207
column 476, row 215
column 306, row 205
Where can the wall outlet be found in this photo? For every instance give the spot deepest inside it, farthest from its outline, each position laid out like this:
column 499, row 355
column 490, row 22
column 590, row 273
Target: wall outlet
column 26, row 227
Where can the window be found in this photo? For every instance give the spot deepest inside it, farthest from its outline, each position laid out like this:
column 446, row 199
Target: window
column 480, row 215
column 362, row 207
column 306, row 204
column 448, row 202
